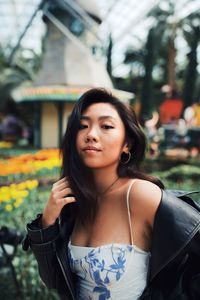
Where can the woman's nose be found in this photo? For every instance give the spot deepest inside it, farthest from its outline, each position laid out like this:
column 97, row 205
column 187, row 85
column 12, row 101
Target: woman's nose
column 91, row 136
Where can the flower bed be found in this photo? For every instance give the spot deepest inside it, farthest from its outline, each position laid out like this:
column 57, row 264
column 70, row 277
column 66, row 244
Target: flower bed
column 13, row 195
column 22, row 196
column 31, row 165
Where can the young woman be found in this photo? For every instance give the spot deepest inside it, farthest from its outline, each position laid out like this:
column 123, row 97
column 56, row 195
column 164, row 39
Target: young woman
column 109, row 231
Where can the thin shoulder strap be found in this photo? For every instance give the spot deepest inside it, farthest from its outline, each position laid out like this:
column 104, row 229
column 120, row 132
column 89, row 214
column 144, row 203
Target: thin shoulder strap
column 128, row 208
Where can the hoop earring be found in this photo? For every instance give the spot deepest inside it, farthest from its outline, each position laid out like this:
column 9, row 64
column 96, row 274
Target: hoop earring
column 128, row 159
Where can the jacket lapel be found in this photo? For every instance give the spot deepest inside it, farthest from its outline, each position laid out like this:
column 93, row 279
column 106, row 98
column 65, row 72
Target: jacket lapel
column 176, row 222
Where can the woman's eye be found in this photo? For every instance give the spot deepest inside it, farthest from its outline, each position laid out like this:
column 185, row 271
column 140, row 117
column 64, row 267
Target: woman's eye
column 83, row 126
column 105, row 126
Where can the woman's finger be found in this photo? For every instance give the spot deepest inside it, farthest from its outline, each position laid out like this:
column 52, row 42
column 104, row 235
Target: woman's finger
column 67, row 200
column 63, row 179
column 63, row 193
column 61, row 186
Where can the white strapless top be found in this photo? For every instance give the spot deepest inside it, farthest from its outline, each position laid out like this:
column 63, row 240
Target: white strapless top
column 114, row 271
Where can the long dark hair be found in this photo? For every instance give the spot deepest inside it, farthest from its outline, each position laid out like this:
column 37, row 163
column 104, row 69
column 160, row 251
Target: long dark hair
column 78, row 174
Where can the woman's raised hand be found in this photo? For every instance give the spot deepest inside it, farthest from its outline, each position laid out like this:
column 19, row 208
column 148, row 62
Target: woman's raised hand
column 61, row 194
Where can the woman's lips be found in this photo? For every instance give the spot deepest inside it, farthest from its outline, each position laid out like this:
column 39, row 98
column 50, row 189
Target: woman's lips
column 91, row 149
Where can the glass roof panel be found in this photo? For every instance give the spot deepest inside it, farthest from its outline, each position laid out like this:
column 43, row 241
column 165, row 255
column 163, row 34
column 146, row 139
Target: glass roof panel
column 126, row 20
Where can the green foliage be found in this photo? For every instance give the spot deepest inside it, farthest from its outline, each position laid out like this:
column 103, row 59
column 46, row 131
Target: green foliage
column 5, row 153
column 147, row 89
column 191, row 71
column 42, row 173
column 16, row 70
column 181, row 173
column 183, row 177
column 156, row 57
column 25, row 265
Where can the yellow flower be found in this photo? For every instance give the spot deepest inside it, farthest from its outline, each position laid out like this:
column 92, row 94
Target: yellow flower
column 5, row 197
column 18, row 202
column 8, row 207
column 21, row 194
column 4, row 189
column 31, row 184
column 13, row 186
column 21, row 186
column 6, row 145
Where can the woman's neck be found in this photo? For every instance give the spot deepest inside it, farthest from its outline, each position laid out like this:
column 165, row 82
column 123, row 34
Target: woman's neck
column 105, row 180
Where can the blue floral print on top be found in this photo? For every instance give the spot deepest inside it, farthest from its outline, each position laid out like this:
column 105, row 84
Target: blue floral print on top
column 109, row 271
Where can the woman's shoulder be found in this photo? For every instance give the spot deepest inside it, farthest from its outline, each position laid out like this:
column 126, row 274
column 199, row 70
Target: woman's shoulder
column 145, row 198
column 145, row 189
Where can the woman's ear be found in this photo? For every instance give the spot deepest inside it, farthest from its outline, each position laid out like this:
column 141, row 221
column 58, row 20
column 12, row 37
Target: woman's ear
column 126, row 148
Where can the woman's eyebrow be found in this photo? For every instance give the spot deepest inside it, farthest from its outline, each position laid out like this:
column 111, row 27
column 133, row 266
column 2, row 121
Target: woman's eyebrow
column 84, row 117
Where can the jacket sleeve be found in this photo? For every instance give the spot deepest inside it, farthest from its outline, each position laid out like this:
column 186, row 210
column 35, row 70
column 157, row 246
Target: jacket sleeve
column 189, row 280
column 42, row 242
column 194, row 279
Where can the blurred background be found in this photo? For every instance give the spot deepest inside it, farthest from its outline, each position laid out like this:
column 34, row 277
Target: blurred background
column 146, row 52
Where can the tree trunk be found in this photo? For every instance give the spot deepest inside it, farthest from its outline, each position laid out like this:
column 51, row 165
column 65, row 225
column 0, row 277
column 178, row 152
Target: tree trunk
column 171, row 64
column 191, row 72
column 147, row 89
column 109, row 57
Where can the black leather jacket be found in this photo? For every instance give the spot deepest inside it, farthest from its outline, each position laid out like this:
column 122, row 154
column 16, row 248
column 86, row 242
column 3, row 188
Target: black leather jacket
column 174, row 272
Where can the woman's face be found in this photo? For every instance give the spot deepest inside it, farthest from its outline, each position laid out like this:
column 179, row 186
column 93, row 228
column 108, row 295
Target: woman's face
column 101, row 137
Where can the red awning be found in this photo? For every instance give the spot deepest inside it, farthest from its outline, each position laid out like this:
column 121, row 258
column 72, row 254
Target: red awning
column 170, row 110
